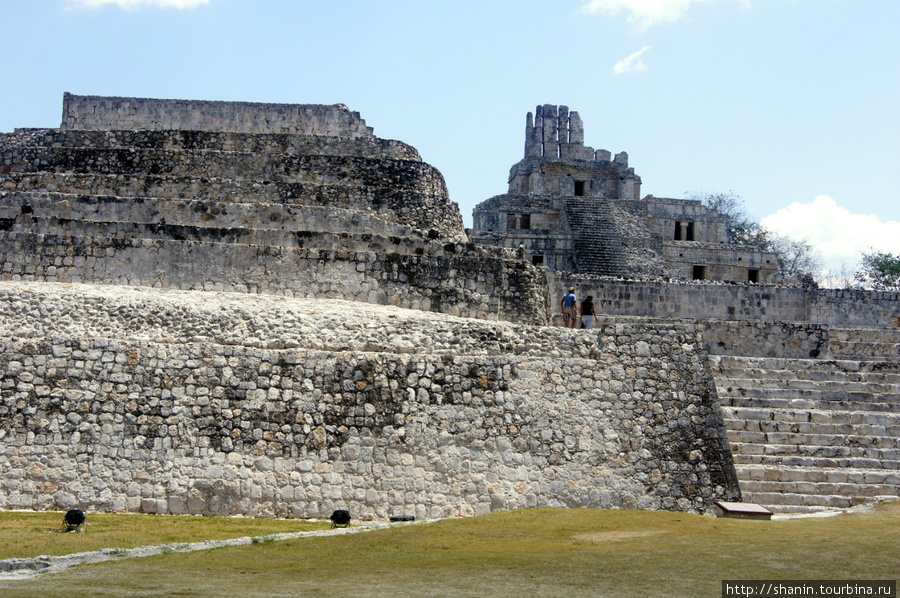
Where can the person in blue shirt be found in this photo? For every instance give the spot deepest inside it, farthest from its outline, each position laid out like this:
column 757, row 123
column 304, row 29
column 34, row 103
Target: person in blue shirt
column 569, row 309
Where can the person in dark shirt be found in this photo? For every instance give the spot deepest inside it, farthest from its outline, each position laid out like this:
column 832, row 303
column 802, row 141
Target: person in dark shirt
column 588, row 315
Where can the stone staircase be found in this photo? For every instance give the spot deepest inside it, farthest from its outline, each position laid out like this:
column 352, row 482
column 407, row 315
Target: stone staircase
column 814, row 434
column 598, row 246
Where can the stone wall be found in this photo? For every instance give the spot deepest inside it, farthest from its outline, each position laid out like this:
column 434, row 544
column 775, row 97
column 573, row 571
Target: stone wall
column 458, row 279
column 754, row 338
column 98, row 112
column 212, row 403
column 840, row 307
column 711, row 300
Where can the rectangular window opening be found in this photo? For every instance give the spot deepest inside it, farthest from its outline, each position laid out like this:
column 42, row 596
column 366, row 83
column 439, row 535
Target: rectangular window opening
column 518, row 221
column 752, row 275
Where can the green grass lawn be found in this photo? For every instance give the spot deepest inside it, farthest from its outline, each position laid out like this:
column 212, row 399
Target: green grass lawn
column 27, row 535
column 544, row 552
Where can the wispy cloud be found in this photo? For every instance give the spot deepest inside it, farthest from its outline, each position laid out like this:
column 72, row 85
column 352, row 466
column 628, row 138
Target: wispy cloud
column 643, row 14
column 632, row 64
column 136, row 4
column 840, row 235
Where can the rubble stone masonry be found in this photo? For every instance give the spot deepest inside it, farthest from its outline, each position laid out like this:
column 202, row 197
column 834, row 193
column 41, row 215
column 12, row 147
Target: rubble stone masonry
column 212, row 403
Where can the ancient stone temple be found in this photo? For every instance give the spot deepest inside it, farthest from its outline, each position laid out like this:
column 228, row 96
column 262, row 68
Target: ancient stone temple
column 223, row 308
column 576, row 209
column 291, row 199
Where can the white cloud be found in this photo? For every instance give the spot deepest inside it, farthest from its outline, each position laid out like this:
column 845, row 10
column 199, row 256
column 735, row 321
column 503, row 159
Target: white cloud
column 840, row 235
column 632, row 64
column 642, row 14
column 136, row 4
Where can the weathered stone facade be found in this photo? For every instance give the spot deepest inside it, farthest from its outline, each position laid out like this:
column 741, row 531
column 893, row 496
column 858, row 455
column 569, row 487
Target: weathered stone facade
column 578, row 210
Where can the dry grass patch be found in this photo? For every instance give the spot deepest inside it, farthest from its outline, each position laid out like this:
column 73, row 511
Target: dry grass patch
column 27, row 535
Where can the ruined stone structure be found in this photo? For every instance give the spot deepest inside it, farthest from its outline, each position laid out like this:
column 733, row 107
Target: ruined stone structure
column 578, row 210
column 201, row 313
column 325, row 209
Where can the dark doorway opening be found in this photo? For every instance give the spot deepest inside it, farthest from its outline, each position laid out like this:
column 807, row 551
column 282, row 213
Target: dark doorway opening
column 579, row 188
column 699, row 272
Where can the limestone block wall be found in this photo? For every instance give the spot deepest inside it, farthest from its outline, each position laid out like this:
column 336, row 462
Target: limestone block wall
column 754, row 338
column 856, row 308
column 99, row 112
column 212, row 403
column 711, row 300
column 453, row 278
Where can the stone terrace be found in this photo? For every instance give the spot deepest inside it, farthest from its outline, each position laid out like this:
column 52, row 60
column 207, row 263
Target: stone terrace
column 141, row 399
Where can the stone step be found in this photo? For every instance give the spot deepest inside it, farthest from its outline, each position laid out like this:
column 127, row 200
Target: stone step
column 802, row 510
column 813, row 440
column 206, row 234
column 846, row 489
column 803, row 405
column 806, row 461
column 864, row 334
column 891, row 430
column 865, row 350
column 864, row 372
column 352, row 171
column 879, row 383
column 723, row 363
column 824, row 397
column 776, row 501
column 166, row 186
column 805, row 450
column 811, row 416
column 835, row 475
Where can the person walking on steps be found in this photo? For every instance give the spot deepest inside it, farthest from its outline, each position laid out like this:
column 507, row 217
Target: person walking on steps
column 569, row 308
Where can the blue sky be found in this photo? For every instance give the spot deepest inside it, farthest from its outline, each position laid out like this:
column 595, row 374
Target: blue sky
column 791, row 104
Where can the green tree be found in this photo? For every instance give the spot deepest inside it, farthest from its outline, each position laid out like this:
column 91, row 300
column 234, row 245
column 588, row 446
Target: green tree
column 795, row 257
column 742, row 228
column 879, row 271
